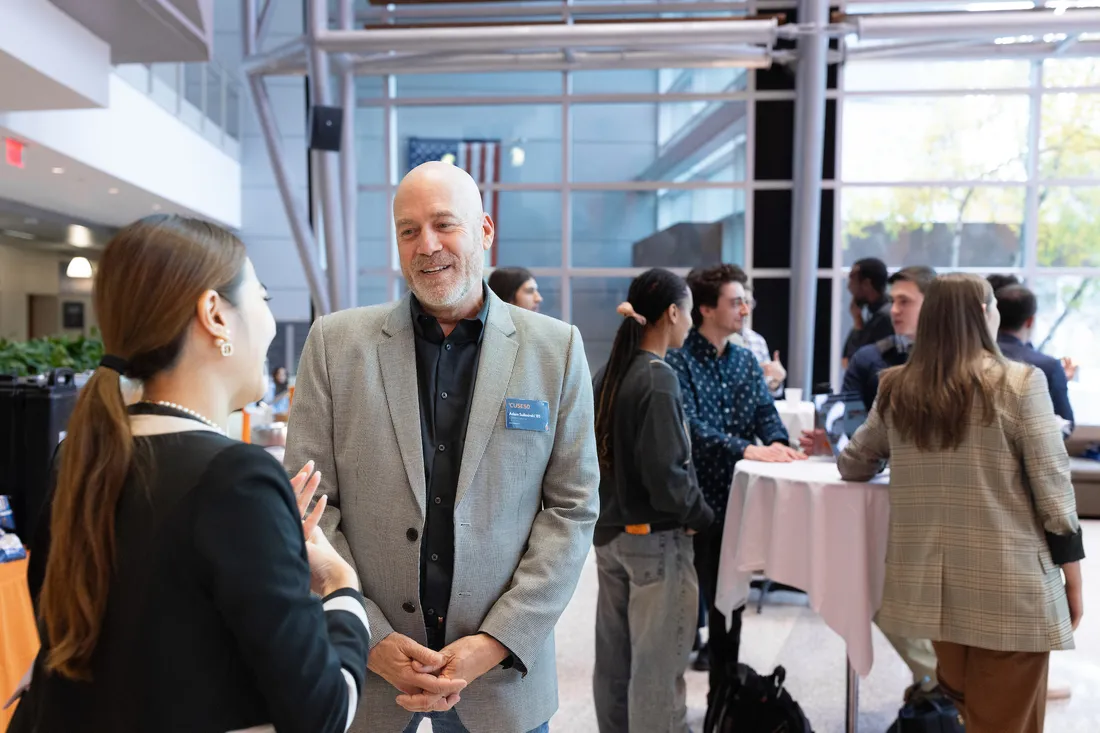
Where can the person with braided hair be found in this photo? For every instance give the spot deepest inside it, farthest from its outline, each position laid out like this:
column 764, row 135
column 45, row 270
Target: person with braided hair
column 650, row 506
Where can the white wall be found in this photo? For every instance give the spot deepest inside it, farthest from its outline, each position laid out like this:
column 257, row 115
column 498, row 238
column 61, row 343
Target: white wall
column 48, row 60
column 25, row 273
column 136, row 140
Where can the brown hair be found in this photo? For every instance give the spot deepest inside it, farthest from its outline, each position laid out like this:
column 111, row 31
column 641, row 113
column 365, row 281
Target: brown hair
column 149, row 282
column 929, row 399
column 706, row 286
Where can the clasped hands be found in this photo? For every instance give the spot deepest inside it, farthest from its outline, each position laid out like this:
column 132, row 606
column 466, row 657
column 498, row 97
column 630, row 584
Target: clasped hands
column 430, row 681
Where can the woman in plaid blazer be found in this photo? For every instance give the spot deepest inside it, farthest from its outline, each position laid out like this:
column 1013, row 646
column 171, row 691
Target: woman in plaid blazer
column 982, row 513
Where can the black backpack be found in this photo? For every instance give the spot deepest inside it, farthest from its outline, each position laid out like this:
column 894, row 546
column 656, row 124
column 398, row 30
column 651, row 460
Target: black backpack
column 933, row 713
column 749, row 703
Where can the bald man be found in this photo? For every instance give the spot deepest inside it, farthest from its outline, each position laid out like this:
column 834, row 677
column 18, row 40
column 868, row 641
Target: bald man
column 455, row 439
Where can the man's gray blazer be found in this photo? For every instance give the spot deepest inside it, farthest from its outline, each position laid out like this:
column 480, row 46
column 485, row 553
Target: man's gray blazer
column 525, row 508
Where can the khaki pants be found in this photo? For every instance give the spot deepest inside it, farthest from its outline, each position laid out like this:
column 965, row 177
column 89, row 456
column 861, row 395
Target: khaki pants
column 919, row 657
column 996, row 692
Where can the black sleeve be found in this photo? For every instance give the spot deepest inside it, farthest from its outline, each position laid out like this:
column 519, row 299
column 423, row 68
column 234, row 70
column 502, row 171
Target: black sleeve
column 663, row 455
column 309, row 656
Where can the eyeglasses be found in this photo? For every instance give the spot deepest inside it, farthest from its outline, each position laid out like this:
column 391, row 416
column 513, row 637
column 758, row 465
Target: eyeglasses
column 750, row 302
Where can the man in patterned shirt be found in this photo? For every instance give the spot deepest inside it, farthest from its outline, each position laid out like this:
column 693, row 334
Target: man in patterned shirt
column 774, row 373
column 728, row 406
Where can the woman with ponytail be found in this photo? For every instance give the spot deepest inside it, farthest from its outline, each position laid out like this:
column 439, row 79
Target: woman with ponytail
column 650, row 504
column 173, row 583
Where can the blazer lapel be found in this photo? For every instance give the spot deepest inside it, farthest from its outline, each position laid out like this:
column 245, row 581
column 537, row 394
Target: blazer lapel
column 395, row 355
column 494, row 371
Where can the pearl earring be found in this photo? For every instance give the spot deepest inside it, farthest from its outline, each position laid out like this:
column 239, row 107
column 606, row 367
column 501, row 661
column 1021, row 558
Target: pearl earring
column 225, row 346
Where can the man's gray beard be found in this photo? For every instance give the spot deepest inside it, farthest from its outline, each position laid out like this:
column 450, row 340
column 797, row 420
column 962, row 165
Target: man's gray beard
column 450, row 302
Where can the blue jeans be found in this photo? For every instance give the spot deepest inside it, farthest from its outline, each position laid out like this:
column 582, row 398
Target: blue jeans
column 448, row 722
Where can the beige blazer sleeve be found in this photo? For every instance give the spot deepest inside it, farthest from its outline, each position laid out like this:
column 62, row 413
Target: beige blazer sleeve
column 866, row 454
column 1038, row 439
column 310, row 438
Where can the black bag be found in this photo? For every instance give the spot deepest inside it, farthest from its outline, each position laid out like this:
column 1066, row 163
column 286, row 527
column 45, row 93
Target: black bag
column 750, row 703
column 928, row 714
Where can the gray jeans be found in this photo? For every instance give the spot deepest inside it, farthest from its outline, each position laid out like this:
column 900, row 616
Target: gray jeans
column 645, row 625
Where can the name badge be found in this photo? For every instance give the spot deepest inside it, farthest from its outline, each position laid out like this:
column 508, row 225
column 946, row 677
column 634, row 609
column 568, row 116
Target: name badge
column 527, row 415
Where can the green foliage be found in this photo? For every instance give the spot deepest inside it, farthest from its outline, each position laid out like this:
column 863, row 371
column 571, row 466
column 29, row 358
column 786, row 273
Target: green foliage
column 37, row 356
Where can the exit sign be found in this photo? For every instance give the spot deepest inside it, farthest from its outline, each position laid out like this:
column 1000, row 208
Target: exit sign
column 13, row 152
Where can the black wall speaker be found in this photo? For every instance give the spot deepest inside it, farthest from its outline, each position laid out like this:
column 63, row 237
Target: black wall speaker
column 326, row 127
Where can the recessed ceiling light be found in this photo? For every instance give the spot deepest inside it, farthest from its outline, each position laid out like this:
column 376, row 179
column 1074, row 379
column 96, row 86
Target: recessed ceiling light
column 79, row 236
column 112, row 191
column 58, row 170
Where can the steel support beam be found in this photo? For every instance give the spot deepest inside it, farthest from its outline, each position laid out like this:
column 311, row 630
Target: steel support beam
column 325, row 163
column 288, row 58
column 267, row 12
column 809, row 152
column 295, row 208
column 747, row 57
column 349, row 178
column 978, row 26
column 534, row 37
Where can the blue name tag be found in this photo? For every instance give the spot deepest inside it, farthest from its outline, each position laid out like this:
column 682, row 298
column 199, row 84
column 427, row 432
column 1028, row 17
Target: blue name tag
column 527, row 415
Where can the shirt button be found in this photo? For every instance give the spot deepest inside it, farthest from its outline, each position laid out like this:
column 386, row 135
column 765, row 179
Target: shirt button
column 443, row 395
column 431, row 611
column 438, row 500
column 408, row 607
column 447, row 347
column 412, row 534
column 435, row 558
column 442, row 448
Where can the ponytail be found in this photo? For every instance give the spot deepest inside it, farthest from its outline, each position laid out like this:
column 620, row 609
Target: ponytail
column 95, row 460
column 649, row 297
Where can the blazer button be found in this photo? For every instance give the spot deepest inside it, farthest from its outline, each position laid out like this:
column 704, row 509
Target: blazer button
column 409, row 608
column 412, row 534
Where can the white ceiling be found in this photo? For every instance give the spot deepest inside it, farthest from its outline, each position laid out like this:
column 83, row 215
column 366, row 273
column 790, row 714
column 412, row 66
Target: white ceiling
column 77, row 191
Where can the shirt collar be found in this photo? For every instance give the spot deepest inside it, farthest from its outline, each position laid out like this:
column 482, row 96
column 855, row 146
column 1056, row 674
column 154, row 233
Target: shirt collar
column 426, row 324
column 698, row 344
column 1007, row 338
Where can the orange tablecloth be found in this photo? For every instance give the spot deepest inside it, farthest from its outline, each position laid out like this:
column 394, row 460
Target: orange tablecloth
column 18, row 633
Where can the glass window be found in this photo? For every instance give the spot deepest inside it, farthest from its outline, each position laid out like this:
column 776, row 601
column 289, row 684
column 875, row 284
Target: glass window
column 1070, row 146
column 594, row 302
column 533, row 128
column 889, row 76
column 1071, row 72
column 369, row 146
column 503, row 84
column 972, row 138
column 940, row 227
column 374, row 229
column 528, row 229
column 1069, row 228
column 374, row 289
column 615, row 81
column 1065, row 326
column 681, row 228
column 686, row 141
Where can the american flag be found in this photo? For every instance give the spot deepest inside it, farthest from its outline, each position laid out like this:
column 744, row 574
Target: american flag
column 479, row 158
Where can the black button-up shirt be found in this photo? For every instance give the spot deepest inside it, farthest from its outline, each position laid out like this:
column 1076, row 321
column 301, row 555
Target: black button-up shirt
column 445, row 373
column 728, row 406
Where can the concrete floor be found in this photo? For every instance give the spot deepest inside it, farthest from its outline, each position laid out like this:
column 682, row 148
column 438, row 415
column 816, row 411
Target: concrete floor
column 790, row 634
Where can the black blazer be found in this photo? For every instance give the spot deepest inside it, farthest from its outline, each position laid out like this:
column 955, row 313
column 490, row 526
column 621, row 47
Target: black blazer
column 210, row 625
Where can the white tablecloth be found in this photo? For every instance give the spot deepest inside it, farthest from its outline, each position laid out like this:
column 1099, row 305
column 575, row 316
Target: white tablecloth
column 796, row 417
column 803, row 526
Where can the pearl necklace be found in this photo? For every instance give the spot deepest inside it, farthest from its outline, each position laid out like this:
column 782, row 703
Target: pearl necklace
column 180, row 408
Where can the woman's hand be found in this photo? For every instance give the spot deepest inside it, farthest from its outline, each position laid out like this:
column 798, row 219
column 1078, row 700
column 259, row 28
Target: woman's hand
column 328, row 571
column 1074, row 592
column 305, row 486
